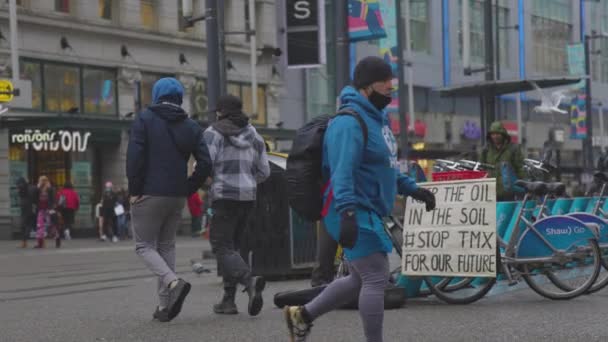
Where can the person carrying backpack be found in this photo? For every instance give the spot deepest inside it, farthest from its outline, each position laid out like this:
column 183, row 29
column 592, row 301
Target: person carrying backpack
column 361, row 173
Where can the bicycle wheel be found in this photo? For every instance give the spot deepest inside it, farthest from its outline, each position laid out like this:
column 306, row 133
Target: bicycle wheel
column 575, row 275
column 600, row 283
column 456, row 293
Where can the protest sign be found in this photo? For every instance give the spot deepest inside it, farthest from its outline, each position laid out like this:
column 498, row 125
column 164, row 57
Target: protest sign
column 458, row 237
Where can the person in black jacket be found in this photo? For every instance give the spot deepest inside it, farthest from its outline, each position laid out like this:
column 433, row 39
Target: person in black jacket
column 26, row 204
column 161, row 142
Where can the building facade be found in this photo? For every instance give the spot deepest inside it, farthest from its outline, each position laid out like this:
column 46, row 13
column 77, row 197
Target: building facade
column 533, row 40
column 87, row 66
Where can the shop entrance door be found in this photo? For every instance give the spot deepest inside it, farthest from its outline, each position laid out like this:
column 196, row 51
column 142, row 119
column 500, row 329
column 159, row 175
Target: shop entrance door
column 53, row 164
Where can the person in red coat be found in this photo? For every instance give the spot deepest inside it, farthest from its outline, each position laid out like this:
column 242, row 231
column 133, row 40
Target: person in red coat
column 68, row 203
column 195, row 204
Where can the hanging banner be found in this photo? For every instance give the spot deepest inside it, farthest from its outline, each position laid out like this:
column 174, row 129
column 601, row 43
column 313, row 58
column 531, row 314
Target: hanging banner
column 578, row 118
column 364, row 20
column 389, row 46
column 576, row 59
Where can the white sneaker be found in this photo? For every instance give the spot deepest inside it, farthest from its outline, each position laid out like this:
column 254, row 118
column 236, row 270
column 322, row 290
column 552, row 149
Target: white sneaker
column 103, row 238
column 114, row 239
column 67, row 234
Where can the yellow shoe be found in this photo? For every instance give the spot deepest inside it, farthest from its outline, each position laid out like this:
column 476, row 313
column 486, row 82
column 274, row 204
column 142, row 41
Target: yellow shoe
column 297, row 326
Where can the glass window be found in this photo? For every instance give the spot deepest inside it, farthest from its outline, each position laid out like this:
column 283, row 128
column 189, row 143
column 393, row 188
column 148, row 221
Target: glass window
column 147, row 10
column 99, row 91
column 181, row 21
column 477, row 39
column 62, row 6
column 62, row 88
column 234, row 89
column 146, row 85
column 105, row 9
column 31, row 71
column 419, row 25
column 551, row 32
column 198, row 99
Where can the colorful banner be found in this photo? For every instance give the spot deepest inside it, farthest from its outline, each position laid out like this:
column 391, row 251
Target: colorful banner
column 364, row 20
column 578, row 118
column 389, row 46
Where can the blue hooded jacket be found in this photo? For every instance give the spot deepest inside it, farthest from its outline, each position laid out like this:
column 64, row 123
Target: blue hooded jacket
column 162, row 139
column 365, row 177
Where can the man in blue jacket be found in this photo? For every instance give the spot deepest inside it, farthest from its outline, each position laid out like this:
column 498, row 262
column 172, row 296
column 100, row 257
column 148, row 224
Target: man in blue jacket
column 364, row 181
column 162, row 140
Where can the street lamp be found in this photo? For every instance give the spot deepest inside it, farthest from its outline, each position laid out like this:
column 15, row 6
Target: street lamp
column 588, row 142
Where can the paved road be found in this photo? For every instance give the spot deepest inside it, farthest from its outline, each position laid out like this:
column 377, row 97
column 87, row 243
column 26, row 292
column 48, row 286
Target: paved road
column 93, row 291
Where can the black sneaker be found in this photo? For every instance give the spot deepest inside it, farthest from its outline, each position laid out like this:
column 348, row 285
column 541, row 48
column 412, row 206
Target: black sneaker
column 254, row 290
column 225, row 308
column 161, row 315
column 177, row 295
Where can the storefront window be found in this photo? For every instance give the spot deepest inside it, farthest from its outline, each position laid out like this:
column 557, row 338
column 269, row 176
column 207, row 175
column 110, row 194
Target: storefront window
column 31, row 71
column 62, row 88
column 17, row 168
column 419, row 25
column 146, row 85
column 198, row 100
column 99, row 91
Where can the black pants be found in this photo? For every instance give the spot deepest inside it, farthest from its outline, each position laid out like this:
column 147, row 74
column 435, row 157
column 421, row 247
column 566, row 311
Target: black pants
column 326, row 256
column 227, row 225
column 28, row 222
column 68, row 218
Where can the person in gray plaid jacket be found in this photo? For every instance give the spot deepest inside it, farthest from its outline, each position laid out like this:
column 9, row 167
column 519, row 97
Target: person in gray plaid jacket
column 238, row 154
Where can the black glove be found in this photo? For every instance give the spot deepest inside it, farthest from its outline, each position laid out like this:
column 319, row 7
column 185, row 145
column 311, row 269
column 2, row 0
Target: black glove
column 426, row 196
column 349, row 232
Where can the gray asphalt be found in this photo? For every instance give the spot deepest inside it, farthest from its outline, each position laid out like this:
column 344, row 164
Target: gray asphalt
column 94, row 291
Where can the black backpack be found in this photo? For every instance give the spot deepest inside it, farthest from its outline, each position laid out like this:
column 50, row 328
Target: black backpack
column 304, row 179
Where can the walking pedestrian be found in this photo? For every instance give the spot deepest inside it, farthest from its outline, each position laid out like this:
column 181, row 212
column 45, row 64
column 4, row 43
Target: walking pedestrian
column 68, row 202
column 108, row 205
column 27, row 207
column 195, row 205
column 364, row 178
column 45, row 202
column 239, row 164
column 162, row 139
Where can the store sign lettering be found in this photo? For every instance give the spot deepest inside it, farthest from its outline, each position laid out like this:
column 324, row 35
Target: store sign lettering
column 67, row 141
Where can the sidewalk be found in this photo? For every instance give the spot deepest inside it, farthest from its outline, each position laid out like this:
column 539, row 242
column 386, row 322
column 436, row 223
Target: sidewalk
column 9, row 247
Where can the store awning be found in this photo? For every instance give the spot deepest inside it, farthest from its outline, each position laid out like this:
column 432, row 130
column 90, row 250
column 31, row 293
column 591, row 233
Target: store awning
column 502, row 87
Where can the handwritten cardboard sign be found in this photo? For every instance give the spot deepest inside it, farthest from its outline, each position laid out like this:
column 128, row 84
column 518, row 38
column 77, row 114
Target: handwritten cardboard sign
column 457, row 238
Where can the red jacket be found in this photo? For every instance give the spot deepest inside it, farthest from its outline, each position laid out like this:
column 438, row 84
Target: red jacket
column 72, row 201
column 195, row 204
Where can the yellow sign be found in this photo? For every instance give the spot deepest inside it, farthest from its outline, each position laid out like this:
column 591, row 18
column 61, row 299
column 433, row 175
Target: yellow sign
column 6, row 91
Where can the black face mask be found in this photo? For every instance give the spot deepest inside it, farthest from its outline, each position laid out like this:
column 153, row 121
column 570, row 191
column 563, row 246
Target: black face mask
column 378, row 100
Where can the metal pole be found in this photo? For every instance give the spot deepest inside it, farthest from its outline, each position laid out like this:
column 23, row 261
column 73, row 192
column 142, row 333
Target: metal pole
column 403, row 29
column 588, row 142
column 489, row 59
column 222, row 45
column 466, row 36
column 14, row 42
column 342, row 48
column 213, row 64
column 497, row 66
column 601, row 122
column 253, row 58
column 519, row 119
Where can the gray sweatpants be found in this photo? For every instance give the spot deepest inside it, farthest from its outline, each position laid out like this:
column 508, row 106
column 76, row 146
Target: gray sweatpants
column 155, row 222
column 367, row 279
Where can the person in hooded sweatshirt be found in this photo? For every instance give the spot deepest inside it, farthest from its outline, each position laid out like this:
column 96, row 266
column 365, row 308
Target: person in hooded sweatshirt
column 239, row 164
column 162, row 139
column 26, row 204
column 364, row 178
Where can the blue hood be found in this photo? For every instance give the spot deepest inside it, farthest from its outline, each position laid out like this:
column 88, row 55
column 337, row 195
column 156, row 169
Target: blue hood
column 167, row 89
column 351, row 98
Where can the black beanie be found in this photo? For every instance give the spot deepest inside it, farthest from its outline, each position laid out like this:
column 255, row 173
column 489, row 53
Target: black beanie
column 229, row 104
column 370, row 70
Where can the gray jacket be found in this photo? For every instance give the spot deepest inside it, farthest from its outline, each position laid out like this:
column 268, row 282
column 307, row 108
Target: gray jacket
column 239, row 162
